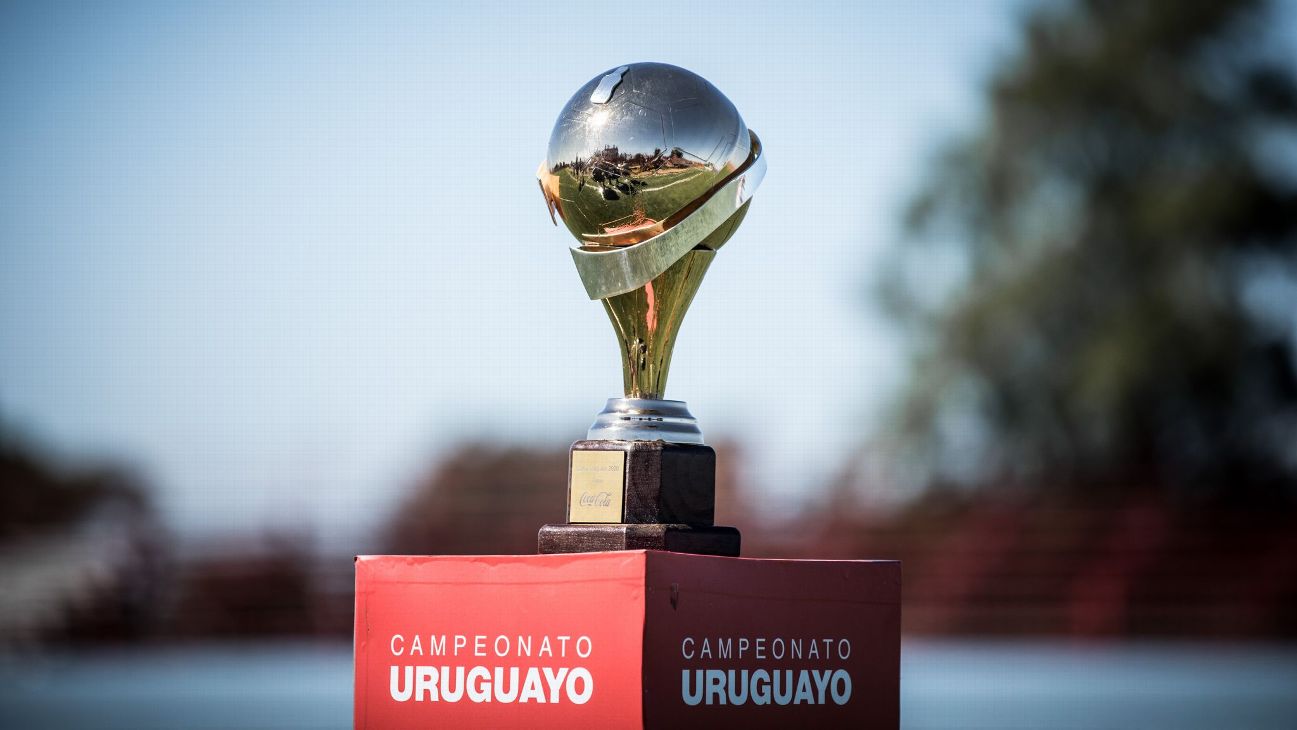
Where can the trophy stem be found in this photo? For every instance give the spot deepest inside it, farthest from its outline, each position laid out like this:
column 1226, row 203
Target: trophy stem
column 647, row 320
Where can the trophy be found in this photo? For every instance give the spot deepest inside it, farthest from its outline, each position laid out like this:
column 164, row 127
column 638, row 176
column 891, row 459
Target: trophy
column 651, row 168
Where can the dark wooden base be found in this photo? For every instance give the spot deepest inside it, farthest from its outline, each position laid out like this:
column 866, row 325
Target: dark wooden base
column 664, row 483
column 675, row 538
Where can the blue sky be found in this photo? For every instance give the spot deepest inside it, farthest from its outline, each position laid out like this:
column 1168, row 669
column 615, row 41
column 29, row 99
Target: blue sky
column 265, row 251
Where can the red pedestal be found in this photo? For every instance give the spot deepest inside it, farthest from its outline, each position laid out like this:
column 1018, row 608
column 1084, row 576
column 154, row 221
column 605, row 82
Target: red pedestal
column 625, row 639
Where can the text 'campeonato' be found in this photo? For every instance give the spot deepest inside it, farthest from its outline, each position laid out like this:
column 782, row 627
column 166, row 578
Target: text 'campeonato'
column 771, row 685
column 504, row 684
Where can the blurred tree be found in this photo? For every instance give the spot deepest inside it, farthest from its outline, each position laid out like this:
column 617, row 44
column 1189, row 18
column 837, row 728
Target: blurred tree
column 36, row 496
column 481, row 500
column 81, row 551
column 262, row 587
column 1120, row 237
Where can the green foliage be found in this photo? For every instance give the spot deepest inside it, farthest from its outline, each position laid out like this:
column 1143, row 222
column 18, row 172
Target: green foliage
column 1123, row 228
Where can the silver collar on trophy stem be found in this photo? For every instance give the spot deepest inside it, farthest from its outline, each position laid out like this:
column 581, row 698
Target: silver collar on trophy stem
column 642, row 419
column 609, row 273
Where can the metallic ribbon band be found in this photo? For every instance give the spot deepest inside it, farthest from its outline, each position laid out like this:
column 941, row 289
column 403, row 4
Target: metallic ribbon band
column 609, row 273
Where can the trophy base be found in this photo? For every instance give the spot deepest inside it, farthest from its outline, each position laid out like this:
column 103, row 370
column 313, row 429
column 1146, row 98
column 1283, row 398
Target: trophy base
column 723, row 541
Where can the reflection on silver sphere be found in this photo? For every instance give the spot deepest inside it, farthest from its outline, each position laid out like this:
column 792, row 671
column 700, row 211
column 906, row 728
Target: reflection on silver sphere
column 637, row 149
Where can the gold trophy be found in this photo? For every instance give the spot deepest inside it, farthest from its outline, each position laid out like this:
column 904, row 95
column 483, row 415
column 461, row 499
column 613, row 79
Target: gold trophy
column 651, row 168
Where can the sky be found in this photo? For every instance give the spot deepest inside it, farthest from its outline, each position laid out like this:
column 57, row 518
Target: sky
column 281, row 257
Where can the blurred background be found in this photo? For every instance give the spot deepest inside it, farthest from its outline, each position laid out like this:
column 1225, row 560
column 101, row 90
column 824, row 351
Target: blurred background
column 1016, row 304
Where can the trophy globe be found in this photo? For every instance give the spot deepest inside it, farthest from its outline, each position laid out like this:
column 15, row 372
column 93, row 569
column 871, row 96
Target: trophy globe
column 651, row 168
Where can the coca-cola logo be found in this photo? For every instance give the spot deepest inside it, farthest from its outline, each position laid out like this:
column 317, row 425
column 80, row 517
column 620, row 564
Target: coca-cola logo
column 595, row 499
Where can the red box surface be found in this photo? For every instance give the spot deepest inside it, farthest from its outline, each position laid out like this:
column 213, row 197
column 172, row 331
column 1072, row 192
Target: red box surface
column 625, row 639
